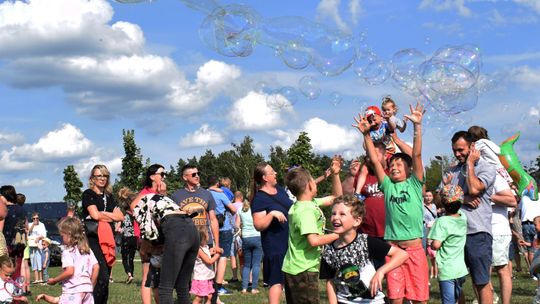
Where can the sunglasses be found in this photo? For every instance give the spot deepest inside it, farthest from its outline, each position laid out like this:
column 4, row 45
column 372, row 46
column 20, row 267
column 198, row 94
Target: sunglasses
column 35, row 218
column 195, row 174
column 163, row 174
column 101, row 176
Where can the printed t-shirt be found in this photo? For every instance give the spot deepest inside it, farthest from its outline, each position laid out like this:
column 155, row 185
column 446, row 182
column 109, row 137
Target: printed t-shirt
column 374, row 218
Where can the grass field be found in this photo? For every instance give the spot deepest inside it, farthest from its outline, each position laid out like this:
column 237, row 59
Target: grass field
column 523, row 289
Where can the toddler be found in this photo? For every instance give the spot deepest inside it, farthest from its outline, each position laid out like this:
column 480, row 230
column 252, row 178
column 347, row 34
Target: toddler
column 380, row 130
column 79, row 266
column 45, row 253
column 389, row 111
column 9, row 292
column 203, row 272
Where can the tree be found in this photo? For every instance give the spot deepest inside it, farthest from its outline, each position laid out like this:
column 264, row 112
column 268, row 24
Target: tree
column 435, row 171
column 73, row 186
column 247, row 161
column 132, row 166
column 207, row 166
column 300, row 153
column 278, row 161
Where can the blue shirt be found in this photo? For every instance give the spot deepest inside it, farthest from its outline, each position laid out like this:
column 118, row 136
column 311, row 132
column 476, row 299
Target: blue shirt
column 228, row 193
column 221, row 201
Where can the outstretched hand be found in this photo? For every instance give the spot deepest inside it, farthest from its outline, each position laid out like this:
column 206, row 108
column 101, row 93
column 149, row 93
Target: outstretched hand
column 416, row 114
column 337, row 162
column 361, row 124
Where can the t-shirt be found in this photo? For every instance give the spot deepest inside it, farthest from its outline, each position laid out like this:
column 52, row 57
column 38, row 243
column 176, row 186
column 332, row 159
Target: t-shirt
column 127, row 226
column 374, row 218
column 404, row 209
column 529, row 208
column 237, row 206
column 360, row 253
column 305, row 217
column 430, row 214
column 81, row 280
column 37, row 231
column 221, row 202
column 16, row 216
column 275, row 237
column 228, row 193
column 101, row 201
column 478, row 219
column 383, row 135
column 452, row 232
column 499, row 221
column 248, row 230
column 5, row 296
column 200, row 201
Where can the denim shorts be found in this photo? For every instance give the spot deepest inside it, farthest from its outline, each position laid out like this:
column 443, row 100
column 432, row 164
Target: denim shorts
column 451, row 290
column 529, row 232
column 225, row 242
column 478, row 256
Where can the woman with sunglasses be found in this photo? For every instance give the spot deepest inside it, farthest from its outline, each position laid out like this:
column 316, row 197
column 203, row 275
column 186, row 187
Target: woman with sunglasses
column 36, row 232
column 99, row 212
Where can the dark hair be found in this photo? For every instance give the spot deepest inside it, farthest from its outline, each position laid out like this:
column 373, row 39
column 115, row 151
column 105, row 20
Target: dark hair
column 297, row 180
column 212, row 180
column 452, row 207
column 357, row 207
column 258, row 174
column 462, row 134
column 478, row 133
column 149, row 172
column 8, row 191
column 187, row 167
column 406, row 158
column 21, row 199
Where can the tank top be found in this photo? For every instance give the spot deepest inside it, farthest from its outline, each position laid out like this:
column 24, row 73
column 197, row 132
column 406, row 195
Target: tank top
column 201, row 271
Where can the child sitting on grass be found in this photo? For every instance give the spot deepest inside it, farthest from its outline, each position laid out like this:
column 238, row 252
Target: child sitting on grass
column 448, row 235
column 404, row 211
column 80, row 267
column 306, row 223
column 347, row 263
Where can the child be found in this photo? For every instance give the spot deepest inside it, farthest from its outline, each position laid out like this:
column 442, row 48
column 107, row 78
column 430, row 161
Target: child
column 380, row 130
column 80, row 267
column 389, row 110
column 404, row 212
column 448, row 235
column 7, row 295
column 347, row 263
column 46, row 242
column 203, row 272
column 306, row 223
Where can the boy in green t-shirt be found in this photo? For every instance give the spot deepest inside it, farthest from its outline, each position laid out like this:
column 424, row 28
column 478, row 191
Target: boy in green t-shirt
column 404, row 214
column 306, row 223
column 448, row 236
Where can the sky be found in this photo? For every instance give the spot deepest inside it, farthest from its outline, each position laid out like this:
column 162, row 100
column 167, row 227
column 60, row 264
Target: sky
column 75, row 73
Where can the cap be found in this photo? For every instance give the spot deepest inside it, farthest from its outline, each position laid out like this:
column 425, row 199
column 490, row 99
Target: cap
column 451, row 193
column 46, row 240
column 371, row 110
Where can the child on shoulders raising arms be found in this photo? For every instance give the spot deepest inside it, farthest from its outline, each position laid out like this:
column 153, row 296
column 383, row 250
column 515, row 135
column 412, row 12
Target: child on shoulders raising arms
column 347, row 264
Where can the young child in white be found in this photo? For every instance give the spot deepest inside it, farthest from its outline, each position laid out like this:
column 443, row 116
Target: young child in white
column 80, row 267
column 389, row 111
column 347, row 264
column 203, row 272
column 9, row 293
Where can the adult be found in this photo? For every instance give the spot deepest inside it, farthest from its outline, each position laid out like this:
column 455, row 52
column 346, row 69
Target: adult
column 251, row 247
column 237, row 240
column 476, row 177
column 154, row 183
column 270, row 206
column 36, row 233
column 99, row 210
column 430, row 215
column 226, row 209
column 14, row 227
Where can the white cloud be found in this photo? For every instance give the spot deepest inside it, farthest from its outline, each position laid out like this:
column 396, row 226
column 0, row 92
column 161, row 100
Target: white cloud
column 526, row 76
column 216, row 74
column 252, row 112
column 204, row 136
column 11, row 138
column 447, row 5
column 84, row 166
column 329, row 9
column 534, row 4
column 28, row 183
column 355, row 7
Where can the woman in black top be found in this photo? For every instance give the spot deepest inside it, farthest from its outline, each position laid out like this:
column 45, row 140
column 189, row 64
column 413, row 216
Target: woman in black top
column 99, row 205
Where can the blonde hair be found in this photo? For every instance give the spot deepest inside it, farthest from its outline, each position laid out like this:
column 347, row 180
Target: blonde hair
column 6, row 261
column 203, row 234
column 125, row 197
column 387, row 99
column 103, row 169
column 74, row 229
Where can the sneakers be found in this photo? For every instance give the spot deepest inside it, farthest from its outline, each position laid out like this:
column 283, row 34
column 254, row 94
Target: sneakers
column 224, row 292
column 536, row 299
column 495, row 298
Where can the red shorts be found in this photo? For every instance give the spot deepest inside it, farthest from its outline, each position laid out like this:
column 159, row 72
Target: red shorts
column 410, row 280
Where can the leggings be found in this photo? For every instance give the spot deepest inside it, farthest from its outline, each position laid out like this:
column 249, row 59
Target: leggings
column 129, row 246
column 101, row 290
column 179, row 254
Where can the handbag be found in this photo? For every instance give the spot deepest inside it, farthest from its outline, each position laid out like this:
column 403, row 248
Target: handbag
column 91, row 228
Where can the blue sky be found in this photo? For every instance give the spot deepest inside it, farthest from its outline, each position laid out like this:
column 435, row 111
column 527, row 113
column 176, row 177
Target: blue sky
column 75, row 73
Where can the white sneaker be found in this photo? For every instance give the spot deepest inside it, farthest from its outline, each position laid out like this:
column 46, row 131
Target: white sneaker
column 536, row 299
column 495, row 298
column 475, row 301
column 534, row 278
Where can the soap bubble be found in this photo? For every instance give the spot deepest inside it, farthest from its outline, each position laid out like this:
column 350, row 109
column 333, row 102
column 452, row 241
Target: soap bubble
column 295, row 55
column 335, row 98
column 290, row 93
column 363, row 60
column 376, row 73
column 405, row 64
column 331, row 55
column 276, row 101
column 205, row 6
column 261, row 87
column 309, row 86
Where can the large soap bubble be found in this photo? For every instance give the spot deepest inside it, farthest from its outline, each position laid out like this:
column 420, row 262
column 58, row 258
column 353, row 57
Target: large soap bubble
column 309, row 86
column 376, row 72
column 335, row 98
column 333, row 54
column 363, row 60
column 295, row 55
column 468, row 56
column 405, row 64
column 205, row 6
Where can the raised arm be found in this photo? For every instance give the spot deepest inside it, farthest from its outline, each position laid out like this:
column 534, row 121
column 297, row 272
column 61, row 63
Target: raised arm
column 337, row 190
column 362, row 125
column 403, row 146
column 416, row 118
column 361, row 178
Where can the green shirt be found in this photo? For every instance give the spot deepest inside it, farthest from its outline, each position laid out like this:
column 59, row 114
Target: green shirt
column 404, row 213
column 305, row 217
column 452, row 232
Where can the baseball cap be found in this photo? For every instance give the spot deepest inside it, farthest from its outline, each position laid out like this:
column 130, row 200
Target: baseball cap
column 451, row 193
column 371, row 110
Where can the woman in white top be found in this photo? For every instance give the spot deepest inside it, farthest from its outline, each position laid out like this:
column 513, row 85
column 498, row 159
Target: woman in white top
column 36, row 232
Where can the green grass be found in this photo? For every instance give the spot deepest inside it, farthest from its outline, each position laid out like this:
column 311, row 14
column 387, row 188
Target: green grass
column 523, row 289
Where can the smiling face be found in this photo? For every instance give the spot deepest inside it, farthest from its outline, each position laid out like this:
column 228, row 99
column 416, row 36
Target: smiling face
column 461, row 149
column 374, row 121
column 343, row 220
column 388, row 109
column 398, row 170
column 158, row 177
column 191, row 177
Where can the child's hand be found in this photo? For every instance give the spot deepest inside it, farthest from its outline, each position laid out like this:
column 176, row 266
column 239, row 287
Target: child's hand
column 40, row 297
column 337, row 162
column 20, row 299
column 361, row 124
column 523, row 243
column 51, row 281
column 279, row 216
column 447, row 178
column 416, row 114
column 376, row 283
column 474, row 156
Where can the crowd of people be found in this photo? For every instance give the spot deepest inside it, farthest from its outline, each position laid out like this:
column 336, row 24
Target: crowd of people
column 385, row 239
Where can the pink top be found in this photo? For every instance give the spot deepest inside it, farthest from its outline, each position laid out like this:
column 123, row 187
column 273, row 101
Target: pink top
column 80, row 281
column 147, row 190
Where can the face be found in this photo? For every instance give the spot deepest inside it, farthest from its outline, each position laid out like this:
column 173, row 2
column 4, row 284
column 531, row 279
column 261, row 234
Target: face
column 65, row 237
column 191, row 176
column 398, row 170
column 6, row 272
column 159, row 176
column 342, row 219
column 374, row 121
column 428, row 197
column 270, row 176
column 461, row 149
column 45, row 244
column 388, row 109
column 35, row 218
column 100, row 179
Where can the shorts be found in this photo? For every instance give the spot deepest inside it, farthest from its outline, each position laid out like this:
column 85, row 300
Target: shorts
column 225, row 242
column 272, row 273
column 410, row 280
column 79, row 297
column 501, row 246
column 513, row 249
column 152, row 280
column 302, row 287
column 36, row 259
column 478, row 256
column 26, row 254
column 202, row 288
column 451, row 290
column 529, row 232
column 145, row 251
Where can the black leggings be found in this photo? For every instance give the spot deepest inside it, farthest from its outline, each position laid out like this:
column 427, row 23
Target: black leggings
column 179, row 254
column 129, row 246
column 101, row 290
